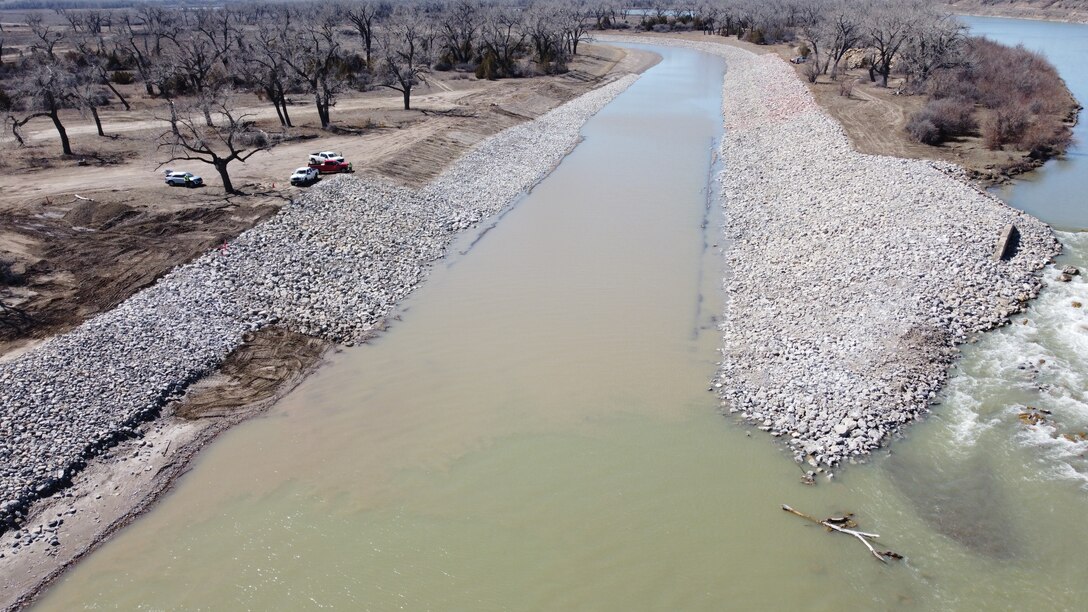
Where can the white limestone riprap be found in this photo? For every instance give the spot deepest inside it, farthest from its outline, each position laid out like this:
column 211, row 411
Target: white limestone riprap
column 851, row 277
column 332, row 263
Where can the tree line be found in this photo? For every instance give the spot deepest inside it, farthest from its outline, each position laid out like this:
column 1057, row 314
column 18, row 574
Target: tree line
column 194, row 58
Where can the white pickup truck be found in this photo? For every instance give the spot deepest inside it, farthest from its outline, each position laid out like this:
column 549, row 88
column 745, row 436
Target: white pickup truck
column 323, row 156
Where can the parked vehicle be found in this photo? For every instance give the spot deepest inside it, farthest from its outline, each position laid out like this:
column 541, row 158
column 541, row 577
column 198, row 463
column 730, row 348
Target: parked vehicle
column 305, row 176
column 178, row 178
column 800, row 59
column 332, row 166
column 322, row 156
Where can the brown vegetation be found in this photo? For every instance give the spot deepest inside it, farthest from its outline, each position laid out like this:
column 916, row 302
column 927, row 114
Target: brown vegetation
column 1028, row 101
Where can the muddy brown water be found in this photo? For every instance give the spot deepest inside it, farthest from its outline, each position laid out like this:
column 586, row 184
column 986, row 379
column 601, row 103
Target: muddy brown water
column 536, row 434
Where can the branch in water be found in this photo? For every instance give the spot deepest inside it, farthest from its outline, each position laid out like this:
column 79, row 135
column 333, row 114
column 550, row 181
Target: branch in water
column 846, row 524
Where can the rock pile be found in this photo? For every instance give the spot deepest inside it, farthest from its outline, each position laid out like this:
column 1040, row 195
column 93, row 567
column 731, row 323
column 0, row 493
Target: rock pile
column 851, row 277
column 331, row 264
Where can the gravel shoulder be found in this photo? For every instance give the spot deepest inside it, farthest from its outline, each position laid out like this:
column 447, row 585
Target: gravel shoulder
column 328, row 269
column 852, row 277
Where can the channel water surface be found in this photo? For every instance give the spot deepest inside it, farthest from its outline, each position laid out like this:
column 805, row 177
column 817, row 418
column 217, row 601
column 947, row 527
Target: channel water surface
column 536, row 434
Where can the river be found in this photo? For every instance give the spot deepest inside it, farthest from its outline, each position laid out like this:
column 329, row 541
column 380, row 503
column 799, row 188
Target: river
column 536, row 434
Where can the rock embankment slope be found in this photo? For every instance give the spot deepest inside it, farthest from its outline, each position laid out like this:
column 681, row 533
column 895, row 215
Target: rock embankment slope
column 332, row 264
column 851, row 277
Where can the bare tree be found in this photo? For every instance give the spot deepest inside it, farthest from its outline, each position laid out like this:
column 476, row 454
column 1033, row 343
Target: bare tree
column 219, row 30
column 47, row 37
column 601, row 14
column 89, row 93
column 938, row 43
column 459, row 26
column 364, row 16
column 200, row 63
column 575, row 24
column 709, row 14
column 95, row 63
column 812, row 29
column 235, row 139
column 503, row 40
column 845, row 25
column 889, row 25
column 45, row 89
column 405, row 56
column 266, row 65
column 143, row 41
column 548, row 39
column 316, row 58
column 158, row 24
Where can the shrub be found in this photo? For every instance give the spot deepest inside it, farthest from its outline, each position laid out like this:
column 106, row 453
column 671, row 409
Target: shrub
column 1004, row 126
column 444, row 63
column 803, row 50
column 923, row 130
column 940, row 120
column 953, row 116
column 846, row 87
column 486, row 67
column 1027, row 97
column 123, row 77
column 756, row 36
column 662, row 27
column 997, row 76
column 1046, row 137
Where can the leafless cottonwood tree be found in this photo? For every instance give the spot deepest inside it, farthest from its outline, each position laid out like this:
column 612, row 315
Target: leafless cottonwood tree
column 574, row 20
column 200, row 64
column 89, row 93
column 267, row 67
column 459, row 25
column 845, row 27
column 236, row 138
column 502, row 39
column 889, row 25
column 95, row 65
column 547, row 38
column 938, row 42
column 365, row 16
column 406, row 54
column 142, row 36
column 601, row 13
column 43, row 91
column 220, row 29
column 47, row 38
column 315, row 56
column 812, row 29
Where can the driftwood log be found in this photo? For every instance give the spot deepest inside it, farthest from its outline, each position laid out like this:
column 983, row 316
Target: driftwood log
column 845, row 524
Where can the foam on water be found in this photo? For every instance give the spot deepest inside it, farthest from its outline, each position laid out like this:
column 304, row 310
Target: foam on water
column 1037, row 363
